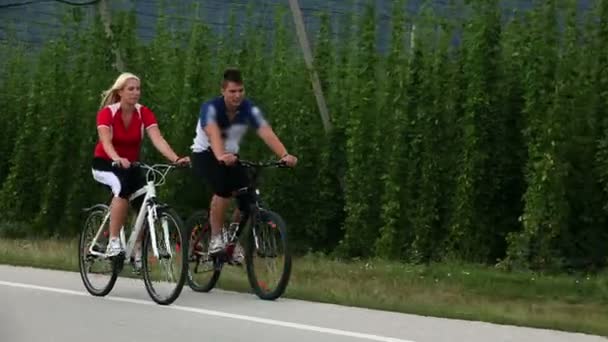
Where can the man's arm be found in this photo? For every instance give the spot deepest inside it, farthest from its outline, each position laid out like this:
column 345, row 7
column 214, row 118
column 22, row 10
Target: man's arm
column 271, row 139
column 212, row 130
column 215, row 138
column 217, row 144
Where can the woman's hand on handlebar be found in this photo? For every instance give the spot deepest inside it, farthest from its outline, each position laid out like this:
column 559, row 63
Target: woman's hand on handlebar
column 122, row 163
column 183, row 161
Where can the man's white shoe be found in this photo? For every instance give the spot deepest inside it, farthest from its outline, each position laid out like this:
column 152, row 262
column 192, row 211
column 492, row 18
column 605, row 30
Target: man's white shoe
column 238, row 255
column 137, row 265
column 216, row 244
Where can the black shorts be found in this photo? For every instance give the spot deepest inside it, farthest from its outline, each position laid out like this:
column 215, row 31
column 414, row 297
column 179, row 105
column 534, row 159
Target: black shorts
column 224, row 180
column 122, row 182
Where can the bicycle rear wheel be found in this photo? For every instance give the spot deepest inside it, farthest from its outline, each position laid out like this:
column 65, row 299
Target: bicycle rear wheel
column 203, row 272
column 165, row 276
column 98, row 273
column 267, row 255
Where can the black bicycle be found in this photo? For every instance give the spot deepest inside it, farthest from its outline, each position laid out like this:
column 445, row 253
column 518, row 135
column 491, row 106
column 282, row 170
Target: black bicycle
column 267, row 256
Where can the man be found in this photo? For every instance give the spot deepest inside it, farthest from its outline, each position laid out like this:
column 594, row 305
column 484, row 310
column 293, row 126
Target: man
column 222, row 123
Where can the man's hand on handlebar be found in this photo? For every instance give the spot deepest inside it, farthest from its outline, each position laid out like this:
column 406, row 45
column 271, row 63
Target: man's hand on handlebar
column 228, row 159
column 289, row 160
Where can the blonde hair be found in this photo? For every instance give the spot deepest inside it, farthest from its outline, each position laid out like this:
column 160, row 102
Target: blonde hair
column 111, row 96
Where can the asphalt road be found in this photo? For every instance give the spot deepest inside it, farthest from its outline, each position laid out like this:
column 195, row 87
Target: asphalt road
column 43, row 305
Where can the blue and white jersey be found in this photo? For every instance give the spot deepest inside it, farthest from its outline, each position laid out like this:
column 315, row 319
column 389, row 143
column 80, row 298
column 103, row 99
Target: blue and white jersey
column 214, row 111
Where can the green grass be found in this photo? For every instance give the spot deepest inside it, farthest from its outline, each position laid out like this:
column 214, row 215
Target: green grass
column 472, row 292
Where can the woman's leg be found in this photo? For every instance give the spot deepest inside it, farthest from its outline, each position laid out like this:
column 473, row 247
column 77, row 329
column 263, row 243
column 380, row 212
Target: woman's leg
column 118, row 214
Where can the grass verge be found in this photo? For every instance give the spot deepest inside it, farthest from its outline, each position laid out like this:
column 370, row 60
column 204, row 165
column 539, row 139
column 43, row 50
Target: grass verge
column 577, row 303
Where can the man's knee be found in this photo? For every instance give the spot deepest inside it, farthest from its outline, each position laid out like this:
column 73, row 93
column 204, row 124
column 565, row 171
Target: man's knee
column 222, row 193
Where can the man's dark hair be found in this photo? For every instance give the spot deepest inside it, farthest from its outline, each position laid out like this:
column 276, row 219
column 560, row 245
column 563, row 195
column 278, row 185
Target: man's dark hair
column 232, row 75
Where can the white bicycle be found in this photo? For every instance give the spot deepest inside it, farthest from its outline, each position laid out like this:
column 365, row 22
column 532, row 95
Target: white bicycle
column 163, row 255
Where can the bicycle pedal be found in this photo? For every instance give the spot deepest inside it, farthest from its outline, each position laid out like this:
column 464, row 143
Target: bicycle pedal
column 219, row 259
column 194, row 258
column 266, row 255
column 221, row 254
column 120, row 255
column 218, row 264
column 233, row 262
column 118, row 261
column 164, row 256
column 98, row 248
column 199, row 253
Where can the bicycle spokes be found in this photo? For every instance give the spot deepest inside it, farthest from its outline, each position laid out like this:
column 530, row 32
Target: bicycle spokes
column 203, row 273
column 268, row 261
column 98, row 272
column 164, row 274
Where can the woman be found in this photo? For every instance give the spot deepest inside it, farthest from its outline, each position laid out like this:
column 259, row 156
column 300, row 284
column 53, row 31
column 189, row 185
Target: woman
column 121, row 122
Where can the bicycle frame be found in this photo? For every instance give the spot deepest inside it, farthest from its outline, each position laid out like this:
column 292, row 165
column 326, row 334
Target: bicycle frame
column 256, row 202
column 147, row 211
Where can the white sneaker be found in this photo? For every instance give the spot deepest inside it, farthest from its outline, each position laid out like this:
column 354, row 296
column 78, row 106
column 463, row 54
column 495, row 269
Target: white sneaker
column 137, row 265
column 114, row 247
column 238, row 254
column 216, row 244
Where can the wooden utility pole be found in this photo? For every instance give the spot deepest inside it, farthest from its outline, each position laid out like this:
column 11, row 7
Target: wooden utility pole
column 314, row 77
column 105, row 12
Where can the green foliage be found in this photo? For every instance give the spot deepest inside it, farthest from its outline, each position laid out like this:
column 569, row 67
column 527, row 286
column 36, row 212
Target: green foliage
column 480, row 136
column 390, row 241
column 92, row 73
column 362, row 184
column 53, row 141
column 471, row 226
column 16, row 203
column 594, row 97
column 14, row 85
column 546, row 209
column 510, row 150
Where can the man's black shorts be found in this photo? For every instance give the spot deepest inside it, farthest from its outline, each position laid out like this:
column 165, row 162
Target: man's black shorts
column 224, row 180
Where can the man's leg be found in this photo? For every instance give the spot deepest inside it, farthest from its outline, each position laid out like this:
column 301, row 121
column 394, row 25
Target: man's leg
column 217, row 176
column 219, row 205
column 238, row 255
column 241, row 212
column 236, row 215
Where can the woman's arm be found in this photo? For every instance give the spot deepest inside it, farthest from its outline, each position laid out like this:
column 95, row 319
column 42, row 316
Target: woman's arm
column 161, row 144
column 105, row 136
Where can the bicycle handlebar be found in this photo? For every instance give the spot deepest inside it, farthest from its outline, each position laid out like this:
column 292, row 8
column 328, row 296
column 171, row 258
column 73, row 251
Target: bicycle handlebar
column 154, row 166
column 155, row 170
column 271, row 163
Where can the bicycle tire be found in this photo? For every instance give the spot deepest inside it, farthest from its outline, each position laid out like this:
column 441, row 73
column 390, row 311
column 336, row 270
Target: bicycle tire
column 181, row 249
column 197, row 226
column 97, row 211
column 266, row 216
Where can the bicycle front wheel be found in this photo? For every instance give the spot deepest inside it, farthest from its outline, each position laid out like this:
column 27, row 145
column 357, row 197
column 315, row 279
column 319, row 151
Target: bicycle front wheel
column 267, row 255
column 164, row 276
column 98, row 273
